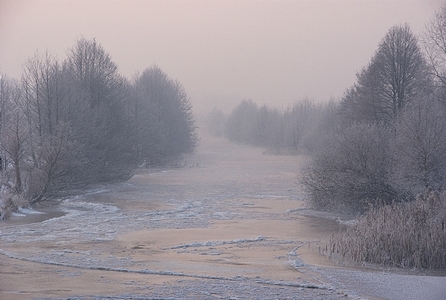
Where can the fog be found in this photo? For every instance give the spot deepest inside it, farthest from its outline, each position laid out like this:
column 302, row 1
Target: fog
column 133, row 199
column 273, row 52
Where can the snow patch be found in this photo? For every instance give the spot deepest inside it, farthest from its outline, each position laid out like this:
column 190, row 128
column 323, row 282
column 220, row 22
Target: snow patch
column 29, row 211
column 16, row 214
column 347, row 222
column 294, row 260
column 23, row 212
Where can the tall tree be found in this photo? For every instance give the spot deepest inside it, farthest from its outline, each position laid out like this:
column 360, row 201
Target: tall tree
column 76, row 123
column 50, row 147
column 434, row 40
column 96, row 111
column 395, row 77
column 243, row 123
column 164, row 122
column 14, row 136
column 419, row 148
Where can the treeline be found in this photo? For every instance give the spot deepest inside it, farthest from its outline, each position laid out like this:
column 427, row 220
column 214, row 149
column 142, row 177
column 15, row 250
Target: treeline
column 72, row 123
column 281, row 131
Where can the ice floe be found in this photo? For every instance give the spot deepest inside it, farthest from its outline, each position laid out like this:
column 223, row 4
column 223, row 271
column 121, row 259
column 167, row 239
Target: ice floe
column 217, row 243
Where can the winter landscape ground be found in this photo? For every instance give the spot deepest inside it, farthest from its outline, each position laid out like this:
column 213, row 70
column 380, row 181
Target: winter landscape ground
column 231, row 224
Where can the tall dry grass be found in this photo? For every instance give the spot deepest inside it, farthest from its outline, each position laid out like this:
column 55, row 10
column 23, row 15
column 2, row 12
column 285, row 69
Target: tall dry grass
column 409, row 235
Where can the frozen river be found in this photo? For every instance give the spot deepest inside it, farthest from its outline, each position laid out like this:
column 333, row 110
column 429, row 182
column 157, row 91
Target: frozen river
column 231, row 224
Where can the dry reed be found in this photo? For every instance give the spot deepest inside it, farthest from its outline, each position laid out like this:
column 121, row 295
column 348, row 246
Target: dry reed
column 409, row 235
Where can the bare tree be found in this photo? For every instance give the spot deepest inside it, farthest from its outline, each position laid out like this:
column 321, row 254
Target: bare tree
column 351, row 170
column 43, row 98
column 271, row 129
column 243, row 122
column 14, row 136
column 43, row 92
column 97, row 106
column 75, row 123
column 305, row 123
column 391, row 144
column 419, row 148
column 164, row 122
column 395, row 77
column 55, row 159
column 434, row 40
column 401, row 68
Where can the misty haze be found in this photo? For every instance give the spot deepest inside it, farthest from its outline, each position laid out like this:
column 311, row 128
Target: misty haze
column 222, row 149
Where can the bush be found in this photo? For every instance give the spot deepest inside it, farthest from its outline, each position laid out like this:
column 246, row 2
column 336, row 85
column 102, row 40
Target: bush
column 10, row 202
column 350, row 170
column 409, row 235
column 5, row 208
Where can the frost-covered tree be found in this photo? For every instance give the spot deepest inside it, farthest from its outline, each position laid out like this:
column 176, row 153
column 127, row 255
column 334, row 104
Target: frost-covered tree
column 242, row 123
column 71, row 124
column 14, row 135
column 419, row 148
column 50, row 146
column 96, row 109
column 388, row 147
column 395, row 77
column 351, row 169
column 434, row 40
column 164, row 124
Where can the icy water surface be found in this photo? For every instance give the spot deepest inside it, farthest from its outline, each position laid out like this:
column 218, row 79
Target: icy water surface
column 231, row 224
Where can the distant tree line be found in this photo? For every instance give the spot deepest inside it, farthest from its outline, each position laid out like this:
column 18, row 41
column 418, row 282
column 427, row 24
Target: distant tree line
column 69, row 124
column 280, row 131
column 385, row 140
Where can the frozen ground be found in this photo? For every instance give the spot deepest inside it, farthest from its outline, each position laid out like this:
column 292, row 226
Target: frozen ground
column 231, row 227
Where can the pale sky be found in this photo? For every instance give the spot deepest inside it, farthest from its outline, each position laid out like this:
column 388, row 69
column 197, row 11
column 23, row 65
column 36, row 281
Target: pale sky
column 272, row 52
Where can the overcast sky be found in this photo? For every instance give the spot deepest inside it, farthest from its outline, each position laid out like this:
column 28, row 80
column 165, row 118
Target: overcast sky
column 273, row 52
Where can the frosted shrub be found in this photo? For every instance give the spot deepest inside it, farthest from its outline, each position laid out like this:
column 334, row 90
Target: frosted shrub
column 10, row 203
column 350, row 170
column 409, row 235
column 6, row 205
